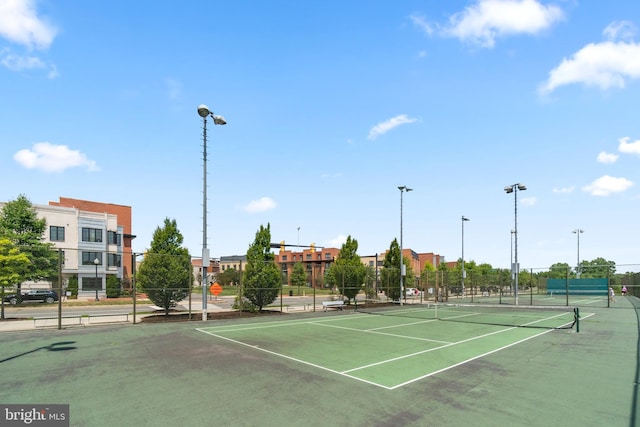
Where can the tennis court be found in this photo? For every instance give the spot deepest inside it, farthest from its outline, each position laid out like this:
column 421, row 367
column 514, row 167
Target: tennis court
column 410, row 368
column 397, row 345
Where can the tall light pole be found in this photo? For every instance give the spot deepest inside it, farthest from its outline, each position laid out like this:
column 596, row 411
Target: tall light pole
column 96, row 261
column 515, row 267
column 463, row 275
column 577, row 232
column 511, row 260
column 402, row 270
column 204, row 112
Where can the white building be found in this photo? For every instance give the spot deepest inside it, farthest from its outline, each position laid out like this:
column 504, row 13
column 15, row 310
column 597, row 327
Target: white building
column 83, row 237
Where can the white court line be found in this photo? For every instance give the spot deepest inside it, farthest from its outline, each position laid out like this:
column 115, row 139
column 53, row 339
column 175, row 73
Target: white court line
column 304, row 362
column 375, row 331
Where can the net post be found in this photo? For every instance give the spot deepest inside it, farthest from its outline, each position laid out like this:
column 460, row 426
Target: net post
column 576, row 312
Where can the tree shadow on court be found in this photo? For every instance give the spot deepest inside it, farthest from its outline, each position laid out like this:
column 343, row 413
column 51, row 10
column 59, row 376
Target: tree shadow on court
column 56, row 346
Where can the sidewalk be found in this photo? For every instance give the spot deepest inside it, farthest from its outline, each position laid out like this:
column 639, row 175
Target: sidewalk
column 82, row 320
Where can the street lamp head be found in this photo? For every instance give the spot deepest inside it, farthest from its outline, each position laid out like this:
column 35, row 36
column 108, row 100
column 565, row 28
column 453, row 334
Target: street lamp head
column 464, row 218
column 96, row 261
column 522, row 187
column 405, row 188
column 203, row 110
column 508, row 189
column 577, row 230
column 219, row 120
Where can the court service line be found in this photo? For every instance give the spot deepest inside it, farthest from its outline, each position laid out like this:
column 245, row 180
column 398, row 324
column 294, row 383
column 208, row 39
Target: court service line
column 373, row 331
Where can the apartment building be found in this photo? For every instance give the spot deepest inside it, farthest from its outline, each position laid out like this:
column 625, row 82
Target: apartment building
column 315, row 260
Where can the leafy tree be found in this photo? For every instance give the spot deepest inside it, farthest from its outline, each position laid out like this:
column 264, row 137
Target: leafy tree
column 229, row 277
column 391, row 272
column 13, row 263
column 597, row 268
column 298, row 276
column 348, row 272
column 114, row 288
column 20, row 224
column 261, row 280
column 370, row 288
column 72, row 285
column 559, row 270
column 165, row 272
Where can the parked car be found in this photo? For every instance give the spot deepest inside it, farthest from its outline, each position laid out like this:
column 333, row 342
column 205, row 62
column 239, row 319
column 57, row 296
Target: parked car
column 44, row 295
column 412, row 292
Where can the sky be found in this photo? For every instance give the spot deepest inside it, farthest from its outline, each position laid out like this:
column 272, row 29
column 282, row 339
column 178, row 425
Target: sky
column 330, row 107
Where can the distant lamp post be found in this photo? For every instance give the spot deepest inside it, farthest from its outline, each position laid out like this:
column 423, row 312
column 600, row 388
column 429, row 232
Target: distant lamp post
column 96, row 261
column 515, row 267
column 402, row 189
column 204, row 112
column 577, row 232
column 464, row 219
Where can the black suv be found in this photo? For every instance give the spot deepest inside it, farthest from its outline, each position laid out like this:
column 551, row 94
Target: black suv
column 43, row 295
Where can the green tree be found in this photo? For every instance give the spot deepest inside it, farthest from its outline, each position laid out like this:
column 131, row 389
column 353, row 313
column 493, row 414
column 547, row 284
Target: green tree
column 559, row 270
column 229, row 277
column 298, row 276
column 20, row 224
column 391, row 272
column 165, row 272
column 370, row 289
column 348, row 272
column 597, row 268
column 13, row 263
column 114, row 288
column 261, row 281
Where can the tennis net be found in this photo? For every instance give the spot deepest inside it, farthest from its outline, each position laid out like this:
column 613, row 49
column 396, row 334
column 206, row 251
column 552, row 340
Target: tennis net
column 522, row 316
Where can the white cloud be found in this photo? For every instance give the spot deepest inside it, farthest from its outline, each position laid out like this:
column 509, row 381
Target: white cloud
column 338, row 241
column 18, row 63
column 629, row 147
column 386, row 126
column 606, row 185
column 53, row 158
column 20, row 23
column 619, row 30
column 260, row 205
column 564, row 190
column 529, row 201
column 486, row 20
column 605, row 157
column 421, row 22
column 605, row 65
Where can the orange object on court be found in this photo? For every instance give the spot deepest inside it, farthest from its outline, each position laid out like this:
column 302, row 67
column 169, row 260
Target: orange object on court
column 215, row 289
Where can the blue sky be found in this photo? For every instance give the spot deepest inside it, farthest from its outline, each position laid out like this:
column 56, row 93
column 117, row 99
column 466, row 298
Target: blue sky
column 330, row 107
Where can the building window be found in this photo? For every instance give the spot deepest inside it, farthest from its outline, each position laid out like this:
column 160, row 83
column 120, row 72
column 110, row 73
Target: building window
column 91, row 283
column 327, row 256
column 88, row 257
column 114, row 238
column 370, row 263
column 114, row 260
column 56, row 234
column 284, row 257
column 308, row 256
column 91, row 235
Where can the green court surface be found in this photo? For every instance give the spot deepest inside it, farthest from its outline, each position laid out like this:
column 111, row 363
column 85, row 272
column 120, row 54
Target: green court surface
column 334, row 368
